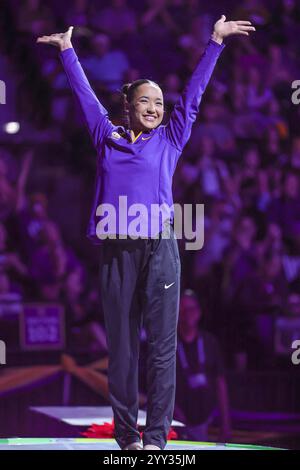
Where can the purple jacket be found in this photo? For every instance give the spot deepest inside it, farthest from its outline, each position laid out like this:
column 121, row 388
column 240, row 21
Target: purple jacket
column 142, row 171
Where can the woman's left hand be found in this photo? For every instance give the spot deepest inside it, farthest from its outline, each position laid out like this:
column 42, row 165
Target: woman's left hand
column 223, row 28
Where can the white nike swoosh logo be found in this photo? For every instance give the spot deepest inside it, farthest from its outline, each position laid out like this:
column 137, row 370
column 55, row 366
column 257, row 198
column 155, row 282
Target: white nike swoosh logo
column 146, row 138
column 167, row 287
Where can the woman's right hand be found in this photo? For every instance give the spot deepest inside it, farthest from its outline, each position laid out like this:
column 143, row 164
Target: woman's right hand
column 60, row 40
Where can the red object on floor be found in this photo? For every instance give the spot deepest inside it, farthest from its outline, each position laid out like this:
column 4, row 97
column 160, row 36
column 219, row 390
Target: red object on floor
column 98, row 431
column 106, row 430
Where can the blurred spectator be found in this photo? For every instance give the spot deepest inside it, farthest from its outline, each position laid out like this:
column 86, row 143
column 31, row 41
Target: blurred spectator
column 12, row 195
column 295, row 153
column 280, row 68
column 258, row 95
column 214, row 174
column 9, row 261
column 257, row 300
column 172, row 88
column 285, row 21
column 48, row 291
column 34, row 17
column 52, row 260
column 274, row 119
column 30, row 223
column 218, row 227
column 285, row 210
column 209, row 172
column 84, row 326
column 273, row 153
column 241, row 118
column 114, row 20
column 253, row 10
column 251, row 164
column 239, row 258
column 78, row 14
column 201, row 28
column 9, row 292
column 201, row 384
column 263, row 192
column 7, row 192
column 182, row 13
column 293, row 304
column 272, row 241
column 210, row 124
column 159, row 33
column 157, row 15
column 104, row 66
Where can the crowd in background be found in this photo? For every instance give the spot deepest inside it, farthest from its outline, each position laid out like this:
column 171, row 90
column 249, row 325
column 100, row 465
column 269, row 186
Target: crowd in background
column 242, row 161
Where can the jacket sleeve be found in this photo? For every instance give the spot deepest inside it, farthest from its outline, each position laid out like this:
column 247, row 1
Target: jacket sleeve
column 179, row 127
column 95, row 115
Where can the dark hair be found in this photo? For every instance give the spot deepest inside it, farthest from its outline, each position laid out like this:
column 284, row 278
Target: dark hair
column 128, row 89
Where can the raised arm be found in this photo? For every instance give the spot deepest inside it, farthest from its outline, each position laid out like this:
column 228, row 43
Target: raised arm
column 95, row 115
column 179, row 127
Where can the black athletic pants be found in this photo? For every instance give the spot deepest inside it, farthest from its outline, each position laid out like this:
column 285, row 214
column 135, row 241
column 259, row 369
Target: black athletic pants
column 140, row 285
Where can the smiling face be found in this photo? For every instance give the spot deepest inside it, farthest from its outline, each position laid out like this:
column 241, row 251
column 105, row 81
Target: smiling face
column 146, row 110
